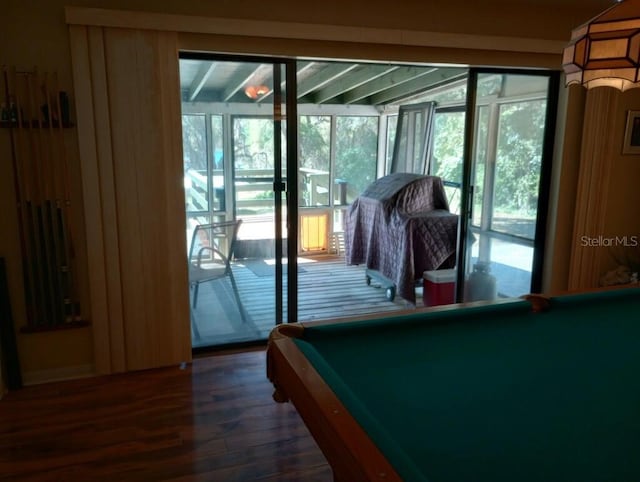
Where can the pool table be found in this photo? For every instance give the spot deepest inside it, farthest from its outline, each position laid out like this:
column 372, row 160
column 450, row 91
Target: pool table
column 533, row 389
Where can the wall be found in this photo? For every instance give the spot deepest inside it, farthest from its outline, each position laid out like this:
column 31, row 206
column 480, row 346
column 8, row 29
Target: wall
column 606, row 195
column 35, row 34
column 624, row 196
column 562, row 200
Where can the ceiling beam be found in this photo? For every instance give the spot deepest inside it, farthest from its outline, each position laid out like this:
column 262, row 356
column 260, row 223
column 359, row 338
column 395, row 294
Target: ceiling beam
column 200, row 79
column 302, row 66
column 397, row 77
column 425, row 82
column 329, row 74
column 364, row 75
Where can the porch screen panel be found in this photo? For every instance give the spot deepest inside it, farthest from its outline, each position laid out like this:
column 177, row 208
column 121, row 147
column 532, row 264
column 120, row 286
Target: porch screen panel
column 134, row 199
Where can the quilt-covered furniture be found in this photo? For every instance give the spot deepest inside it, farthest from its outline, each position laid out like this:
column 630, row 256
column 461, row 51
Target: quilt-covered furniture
column 399, row 227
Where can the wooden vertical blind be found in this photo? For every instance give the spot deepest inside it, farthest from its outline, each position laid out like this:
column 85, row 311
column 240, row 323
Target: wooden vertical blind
column 593, row 186
column 129, row 128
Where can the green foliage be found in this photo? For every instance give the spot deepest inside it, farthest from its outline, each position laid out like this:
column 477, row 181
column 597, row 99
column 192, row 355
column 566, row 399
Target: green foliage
column 519, row 156
column 356, row 152
column 194, row 142
column 264, row 195
column 253, row 143
column 314, row 139
column 448, row 146
column 356, row 148
column 194, row 147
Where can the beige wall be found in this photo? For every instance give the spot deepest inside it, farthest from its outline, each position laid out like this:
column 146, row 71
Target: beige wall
column 562, row 200
column 624, row 195
column 606, row 195
column 34, row 33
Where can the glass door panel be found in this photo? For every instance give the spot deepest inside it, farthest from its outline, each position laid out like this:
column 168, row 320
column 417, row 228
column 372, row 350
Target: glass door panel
column 480, row 158
column 217, row 159
column 235, row 169
column 338, row 157
column 315, row 160
column 413, row 131
column 196, row 164
column 510, row 147
column 356, row 154
column 518, row 163
column 447, row 156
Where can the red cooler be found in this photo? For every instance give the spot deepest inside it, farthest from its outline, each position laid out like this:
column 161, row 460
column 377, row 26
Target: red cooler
column 439, row 287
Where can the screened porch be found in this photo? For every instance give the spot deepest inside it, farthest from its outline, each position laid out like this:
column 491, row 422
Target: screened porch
column 348, row 115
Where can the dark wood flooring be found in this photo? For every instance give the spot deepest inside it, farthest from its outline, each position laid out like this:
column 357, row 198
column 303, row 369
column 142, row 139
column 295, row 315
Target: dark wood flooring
column 214, row 420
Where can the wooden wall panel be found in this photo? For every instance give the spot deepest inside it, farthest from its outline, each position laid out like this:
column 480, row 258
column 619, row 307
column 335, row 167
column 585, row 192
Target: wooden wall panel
column 135, row 162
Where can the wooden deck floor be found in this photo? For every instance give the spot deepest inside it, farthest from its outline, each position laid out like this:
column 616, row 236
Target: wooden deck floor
column 327, row 288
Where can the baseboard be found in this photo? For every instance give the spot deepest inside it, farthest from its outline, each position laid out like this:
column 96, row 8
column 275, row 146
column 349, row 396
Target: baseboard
column 58, row 374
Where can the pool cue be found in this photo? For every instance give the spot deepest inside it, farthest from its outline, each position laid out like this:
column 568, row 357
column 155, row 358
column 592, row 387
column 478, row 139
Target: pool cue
column 27, row 261
column 60, row 223
column 23, row 157
column 39, row 200
column 50, row 194
column 39, row 315
column 40, row 158
column 41, row 234
column 64, row 211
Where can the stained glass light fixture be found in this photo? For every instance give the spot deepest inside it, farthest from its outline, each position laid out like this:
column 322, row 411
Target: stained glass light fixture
column 605, row 51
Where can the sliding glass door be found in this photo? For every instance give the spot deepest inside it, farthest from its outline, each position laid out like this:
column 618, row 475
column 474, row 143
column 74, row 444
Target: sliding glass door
column 235, row 147
column 244, row 160
column 508, row 148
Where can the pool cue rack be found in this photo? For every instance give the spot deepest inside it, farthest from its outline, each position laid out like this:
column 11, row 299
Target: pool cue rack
column 36, row 111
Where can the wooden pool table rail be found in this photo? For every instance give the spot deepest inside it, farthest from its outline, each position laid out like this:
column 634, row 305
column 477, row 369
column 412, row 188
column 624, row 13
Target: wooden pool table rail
column 348, row 449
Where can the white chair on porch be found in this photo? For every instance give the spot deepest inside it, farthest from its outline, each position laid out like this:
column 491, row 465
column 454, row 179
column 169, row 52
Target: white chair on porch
column 210, row 255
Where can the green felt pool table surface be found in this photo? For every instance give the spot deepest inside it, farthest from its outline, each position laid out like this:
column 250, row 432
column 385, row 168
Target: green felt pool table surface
column 497, row 392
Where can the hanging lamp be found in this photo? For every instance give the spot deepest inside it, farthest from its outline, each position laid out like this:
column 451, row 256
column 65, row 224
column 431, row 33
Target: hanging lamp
column 605, row 51
column 255, row 91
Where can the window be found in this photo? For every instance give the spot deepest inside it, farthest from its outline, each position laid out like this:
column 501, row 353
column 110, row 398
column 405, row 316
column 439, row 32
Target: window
column 447, row 161
column 315, row 160
column 480, row 164
column 252, row 143
column 217, row 156
column 203, row 162
column 356, row 153
column 355, row 167
column 518, row 164
column 194, row 147
column 392, row 125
